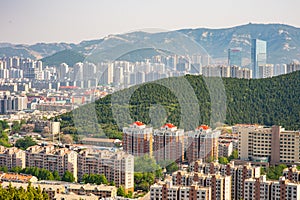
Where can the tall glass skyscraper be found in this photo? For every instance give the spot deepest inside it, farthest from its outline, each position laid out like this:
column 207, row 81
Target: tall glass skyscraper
column 258, row 56
column 235, row 57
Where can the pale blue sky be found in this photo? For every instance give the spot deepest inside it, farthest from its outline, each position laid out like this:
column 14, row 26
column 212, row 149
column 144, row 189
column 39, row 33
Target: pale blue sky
column 31, row 21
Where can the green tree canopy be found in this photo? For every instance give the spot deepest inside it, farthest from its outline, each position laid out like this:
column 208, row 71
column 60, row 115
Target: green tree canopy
column 68, row 177
column 25, row 143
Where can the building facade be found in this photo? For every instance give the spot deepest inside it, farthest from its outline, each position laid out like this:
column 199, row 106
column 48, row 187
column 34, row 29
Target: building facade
column 12, row 157
column 117, row 167
column 168, row 143
column 202, row 144
column 138, row 139
column 265, row 144
column 235, row 57
column 52, row 159
column 258, row 55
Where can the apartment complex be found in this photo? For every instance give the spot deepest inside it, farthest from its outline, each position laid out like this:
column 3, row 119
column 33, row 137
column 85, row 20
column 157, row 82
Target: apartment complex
column 117, row 167
column 264, row 144
column 227, row 71
column 211, row 181
column 12, row 157
column 202, row 143
column 168, row 143
column 238, row 174
column 167, row 191
column 52, row 159
column 220, row 185
column 12, row 103
column 137, row 139
column 261, row 189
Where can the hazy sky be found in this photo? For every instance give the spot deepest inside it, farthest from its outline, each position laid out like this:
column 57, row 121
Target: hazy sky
column 32, row 21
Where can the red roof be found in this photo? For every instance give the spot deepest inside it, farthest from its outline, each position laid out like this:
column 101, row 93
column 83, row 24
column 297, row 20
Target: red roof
column 204, row 127
column 138, row 123
column 68, row 87
column 169, row 125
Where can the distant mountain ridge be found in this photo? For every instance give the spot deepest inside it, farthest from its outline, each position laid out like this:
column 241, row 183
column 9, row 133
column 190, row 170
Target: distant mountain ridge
column 283, row 43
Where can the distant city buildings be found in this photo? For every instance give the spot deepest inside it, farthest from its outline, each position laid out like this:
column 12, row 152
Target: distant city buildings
column 10, row 103
column 235, row 57
column 258, row 56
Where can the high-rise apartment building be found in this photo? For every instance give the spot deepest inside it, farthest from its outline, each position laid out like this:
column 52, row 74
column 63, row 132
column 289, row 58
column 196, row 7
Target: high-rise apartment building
column 168, row 143
column 258, row 55
column 266, row 71
column 138, row 139
column 202, row 143
column 292, row 67
column 118, row 167
column 235, row 57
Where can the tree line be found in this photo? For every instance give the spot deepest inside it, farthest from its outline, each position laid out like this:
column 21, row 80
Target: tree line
column 13, row 193
column 270, row 101
column 41, row 174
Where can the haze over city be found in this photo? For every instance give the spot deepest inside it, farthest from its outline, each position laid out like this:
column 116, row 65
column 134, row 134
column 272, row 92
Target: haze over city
column 30, row 21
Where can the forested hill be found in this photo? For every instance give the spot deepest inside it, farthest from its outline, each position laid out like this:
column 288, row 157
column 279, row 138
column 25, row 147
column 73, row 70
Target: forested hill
column 261, row 101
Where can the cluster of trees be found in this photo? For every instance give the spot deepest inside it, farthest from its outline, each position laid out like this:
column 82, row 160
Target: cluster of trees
column 3, row 134
column 41, row 174
column 95, row 178
column 25, row 142
column 20, row 193
column 263, row 101
column 121, row 192
column 225, row 160
column 273, row 172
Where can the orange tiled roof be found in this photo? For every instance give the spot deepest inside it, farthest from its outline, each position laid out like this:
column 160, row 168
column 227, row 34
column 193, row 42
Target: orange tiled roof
column 169, row 125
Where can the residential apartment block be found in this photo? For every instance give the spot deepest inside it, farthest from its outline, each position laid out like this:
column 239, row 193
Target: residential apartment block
column 261, row 189
column 268, row 144
column 116, row 166
column 52, row 159
column 238, row 174
column 137, row 139
column 202, row 143
column 168, row 143
column 220, row 185
column 167, row 191
column 12, row 157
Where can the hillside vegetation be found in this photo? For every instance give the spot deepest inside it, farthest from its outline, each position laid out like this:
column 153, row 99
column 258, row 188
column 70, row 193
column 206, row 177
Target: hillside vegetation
column 262, row 101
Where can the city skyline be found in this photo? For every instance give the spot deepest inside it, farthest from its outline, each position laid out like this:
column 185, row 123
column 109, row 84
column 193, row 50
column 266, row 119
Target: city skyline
column 71, row 21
